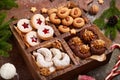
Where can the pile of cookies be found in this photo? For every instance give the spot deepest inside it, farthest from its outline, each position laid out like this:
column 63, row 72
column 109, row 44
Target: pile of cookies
column 65, row 18
column 35, row 30
column 51, row 59
column 87, row 43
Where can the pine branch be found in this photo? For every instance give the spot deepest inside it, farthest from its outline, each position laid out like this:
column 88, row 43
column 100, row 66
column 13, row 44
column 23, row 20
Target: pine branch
column 110, row 31
column 5, row 46
column 7, row 4
column 2, row 17
column 5, row 32
column 113, row 33
column 4, row 53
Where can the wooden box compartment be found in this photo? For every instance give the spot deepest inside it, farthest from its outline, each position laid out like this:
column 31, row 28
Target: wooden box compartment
column 77, row 66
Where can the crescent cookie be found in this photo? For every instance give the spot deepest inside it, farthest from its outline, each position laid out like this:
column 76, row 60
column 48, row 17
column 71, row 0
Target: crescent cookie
column 63, row 28
column 56, row 53
column 24, row 25
column 62, row 63
column 37, row 20
column 46, row 53
column 45, row 32
column 54, row 19
column 53, row 10
column 78, row 22
column 41, row 61
column 31, row 38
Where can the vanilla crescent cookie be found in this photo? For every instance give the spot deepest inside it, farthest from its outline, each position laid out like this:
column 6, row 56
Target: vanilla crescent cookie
column 37, row 20
column 56, row 53
column 24, row 25
column 46, row 53
column 41, row 61
column 45, row 32
column 63, row 62
column 31, row 38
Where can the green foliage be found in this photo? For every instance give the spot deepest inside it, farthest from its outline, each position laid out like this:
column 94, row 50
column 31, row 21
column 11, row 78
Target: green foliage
column 5, row 32
column 110, row 31
column 7, row 4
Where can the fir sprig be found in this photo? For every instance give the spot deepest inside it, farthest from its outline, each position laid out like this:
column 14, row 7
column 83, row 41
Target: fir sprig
column 7, row 4
column 5, row 32
column 110, row 31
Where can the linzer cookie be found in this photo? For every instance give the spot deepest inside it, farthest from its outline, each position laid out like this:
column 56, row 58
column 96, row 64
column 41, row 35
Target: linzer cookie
column 45, row 32
column 37, row 20
column 24, row 25
column 32, row 38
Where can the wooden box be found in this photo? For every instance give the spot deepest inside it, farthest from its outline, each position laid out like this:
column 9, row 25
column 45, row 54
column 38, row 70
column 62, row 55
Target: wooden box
column 77, row 66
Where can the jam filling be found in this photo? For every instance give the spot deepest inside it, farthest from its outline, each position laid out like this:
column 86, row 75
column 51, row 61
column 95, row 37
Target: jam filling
column 46, row 31
column 39, row 21
column 56, row 17
column 75, row 12
column 34, row 39
column 67, row 18
column 62, row 12
column 25, row 25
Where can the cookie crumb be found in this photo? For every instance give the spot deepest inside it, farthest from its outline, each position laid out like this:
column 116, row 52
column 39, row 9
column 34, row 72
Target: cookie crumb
column 33, row 9
column 73, row 31
column 100, row 1
column 44, row 10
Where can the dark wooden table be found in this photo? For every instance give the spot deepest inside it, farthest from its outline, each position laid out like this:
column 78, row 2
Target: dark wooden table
column 16, row 58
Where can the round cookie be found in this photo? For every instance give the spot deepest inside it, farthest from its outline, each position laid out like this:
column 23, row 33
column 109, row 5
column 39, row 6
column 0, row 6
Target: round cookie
column 67, row 21
column 24, row 25
column 75, row 12
column 45, row 32
column 78, row 22
column 31, row 38
column 37, row 20
column 63, row 12
column 98, row 46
